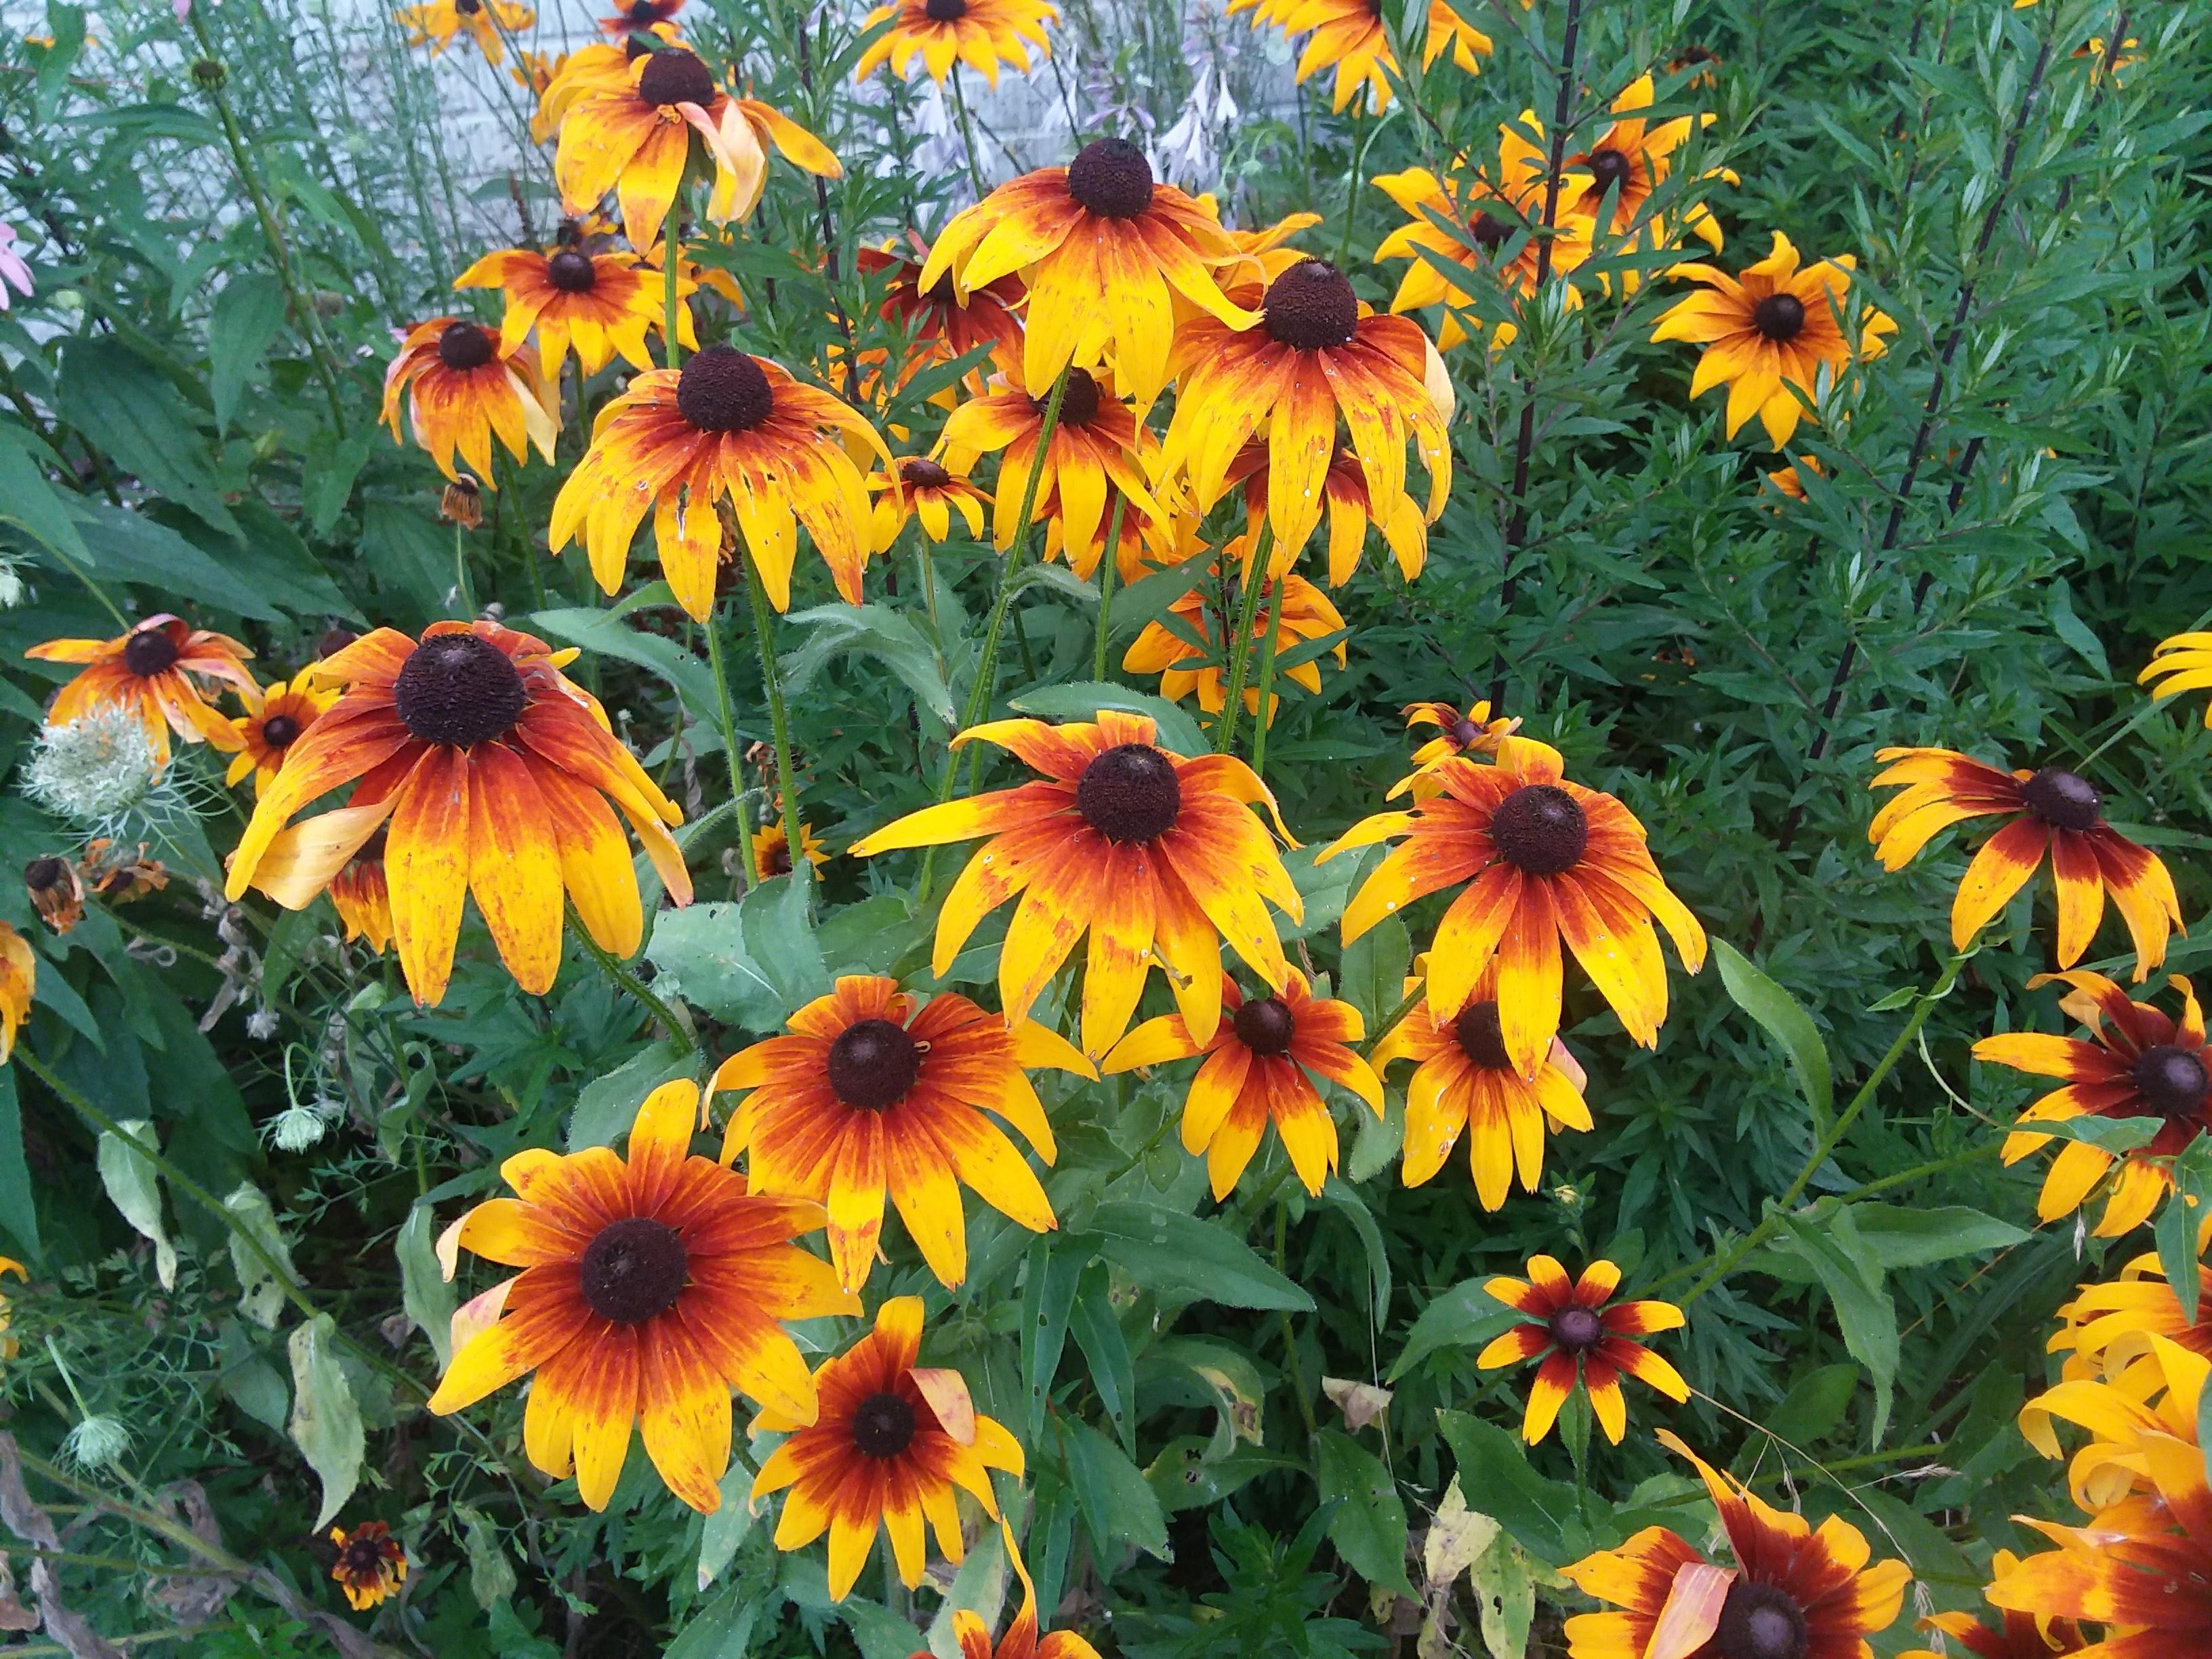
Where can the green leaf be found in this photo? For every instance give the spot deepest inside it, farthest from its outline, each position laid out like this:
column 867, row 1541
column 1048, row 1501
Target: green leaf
column 2117, row 1135
column 2075, row 632
column 127, row 407
column 605, row 634
column 1048, row 1294
column 1097, row 1332
column 325, row 1422
column 333, row 464
column 1179, row 1257
column 1373, row 978
column 1347, row 1202
column 245, row 319
column 869, row 630
column 1851, row 1272
column 125, row 546
column 32, row 502
column 607, row 1105
column 1369, row 1526
column 726, row 1528
column 423, row 1291
column 1815, row 1403
column 1495, row 1464
column 1118, row 1506
column 750, row 963
column 1465, row 1317
column 1082, row 701
column 1786, row 1022
column 491, row 1574
column 18, row 1215
column 1901, row 1238
column 135, row 1189
column 65, row 24
column 261, row 1298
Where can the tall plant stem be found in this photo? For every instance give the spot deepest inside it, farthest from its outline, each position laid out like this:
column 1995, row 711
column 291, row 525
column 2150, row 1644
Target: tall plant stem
column 672, row 257
column 802, row 872
column 1261, row 717
column 967, row 132
column 630, row 984
column 727, row 718
column 1240, row 646
column 1109, row 568
column 1367, row 123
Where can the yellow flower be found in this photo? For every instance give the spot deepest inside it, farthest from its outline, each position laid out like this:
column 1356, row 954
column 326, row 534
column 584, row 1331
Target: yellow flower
column 981, row 33
column 439, row 23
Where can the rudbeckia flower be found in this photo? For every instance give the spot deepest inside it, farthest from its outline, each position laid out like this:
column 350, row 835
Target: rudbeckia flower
column 1449, row 222
column 2054, row 812
column 772, row 852
column 601, row 66
column 651, row 1286
column 868, row 1094
column 1767, row 334
column 2157, row 1395
column 727, row 426
column 1786, row 480
column 1583, row 1336
column 19, row 979
column 56, row 891
column 2015, row 1636
column 981, row 33
column 1098, row 448
column 1153, row 854
column 438, row 24
column 161, row 672
column 1701, row 63
column 2136, row 1062
column 265, row 735
column 639, row 17
column 593, row 304
column 120, row 875
column 1348, row 36
column 1634, row 157
column 928, row 490
column 2182, row 663
column 1317, row 355
column 1259, row 1070
column 1545, row 860
column 1464, row 1081
column 941, row 323
column 1351, row 510
column 1474, row 734
column 633, row 137
column 1306, row 614
column 1104, row 248
column 1795, row 1592
column 893, row 1442
column 363, row 897
column 492, row 775
column 1021, row 1640
column 2107, row 1330
column 462, row 387
column 371, row 1565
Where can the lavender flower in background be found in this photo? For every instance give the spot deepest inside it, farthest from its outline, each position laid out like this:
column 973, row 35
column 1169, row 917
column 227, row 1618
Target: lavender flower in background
column 13, row 272
column 1189, row 153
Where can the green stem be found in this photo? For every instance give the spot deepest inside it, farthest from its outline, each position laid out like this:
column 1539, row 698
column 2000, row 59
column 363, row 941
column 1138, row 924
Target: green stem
column 731, row 752
column 1109, row 568
column 1240, row 644
column 1367, row 125
column 779, row 720
column 461, row 594
column 1265, row 717
column 1291, row 1360
column 672, row 254
column 967, row 133
column 631, row 984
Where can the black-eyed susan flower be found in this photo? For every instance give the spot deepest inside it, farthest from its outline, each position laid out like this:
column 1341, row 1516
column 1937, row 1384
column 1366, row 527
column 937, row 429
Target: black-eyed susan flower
column 1104, row 249
column 1489, row 222
column 1632, row 157
column 1021, row 1640
column 1767, row 334
column 1583, row 1336
column 928, row 490
column 1184, row 666
column 2157, row 1395
column 981, row 33
column 652, row 1285
column 1465, row 1082
column 56, row 891
column 2055, row 813
column 362, row 896
column 1701, row 63
column 1795, row 1592
column 868, row 1096
column 1156, row 856
column 1472, row 733
column 600, row 66
column 772, row 851
column 120, row 875
column 1349, row 37
column 2107, row 1330
column 633, row 137
column 161, row 673
column 727, row 426
column 1169, row 539
column 2015, row 1636
column 639, row 17
column 19, row 981
column 463, row 388
column 596, row 305
column 2181, row 663
column 942, row 323
column 491, row 774
column 2138, row 1061
column 371, row 1564
column 1098, row 448
column 1789, row 482
column 265, row 735
column 438, row 23
column 1547, row 861
column 1350, row 511
column 1259, row 1069
column 893, row 1443
column 1317, row 357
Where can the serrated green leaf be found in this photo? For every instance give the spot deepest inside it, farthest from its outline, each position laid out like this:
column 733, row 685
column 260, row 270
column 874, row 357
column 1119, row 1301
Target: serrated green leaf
column 1368, row 1525
column 1179, row 1257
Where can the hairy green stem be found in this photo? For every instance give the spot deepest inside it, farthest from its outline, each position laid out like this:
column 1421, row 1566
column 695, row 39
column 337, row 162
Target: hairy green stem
column 802, row 872
column 726, row 716
column 1109, row 568
column 1265, row 713
column 1239, row 645
column 631, row 983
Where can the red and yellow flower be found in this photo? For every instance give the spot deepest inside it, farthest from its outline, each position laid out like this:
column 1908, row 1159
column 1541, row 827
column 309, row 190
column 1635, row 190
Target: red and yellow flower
column 1350, row 511
column 1545, row 860
column 726, row 426
column 2181, row 663
column 651, row 1286
column 2138, row 1062
column 1021, row 1640
column 161, row 671
column 463, row 387
column 19, row 982
column 120, row 875
column 2107, row 1330
column 928, row 490
column 2054, row 812
column 9, row 1347
column 772, row 850
column 1633, row 157
column 371, row 1565
column 600, row 66
column 1156, row 856
column 363, row 897
column 943, row 322
column 438, row 23
column 893, row 1442
column 639, row 17
column 492, row 775
column 1098, row 449
column 1349, row 37
column 1304, row 614
column 265, row 734
column 1259, row 1069
column 2015, row 1635
column 56, row 890
column 1474, row 734
column 596, row 305
column 981, row 33
column 868, row 1096
column 1583, row 1336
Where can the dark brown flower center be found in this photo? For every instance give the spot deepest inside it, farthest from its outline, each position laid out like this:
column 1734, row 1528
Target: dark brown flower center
column 946, row 11
column 44, row 875
column 873, row 1063
column 637, row 46
column 1311, row 307
column 1489, row 234
column 463, row 346
column 457, row 689
column 2064, row 800
column 149, row 652
column 644, row 11
column 633, row 1270
column 1778, row 316
column 1111, row 178
column 1610, row 168
column 1464, row 732
column 1697, row 55
column 364, row 1555
column 1761, row 1622
column 1078, row 399
column 2172, row 1080
column 1540, row 829
column 280, row 731
column 882, row 1425
column 673, row 76
column 1265, row 1026
column 778, row 859
column 722, row 389
column 572, row 271
column 1130, row 793
column 1576, row 1330
column 1480, row 1038
column 925, row 474
column 468, row 8
column 334, row 641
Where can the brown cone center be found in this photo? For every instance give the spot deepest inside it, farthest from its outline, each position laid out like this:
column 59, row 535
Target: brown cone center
column 1541, row 829
column 883, row 1426
column 633, row 1270
column 2065, row 800
column 1265, row 1026
column 149, row 652
column 1112, row 179
column 1761, row 1622
column 873, row 1064
column 1310, row 306
column 459, row 690
column 1779, row 317
column 723, row 389
column 1480, row 1038
column 673, row 76
column 1130, row 793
